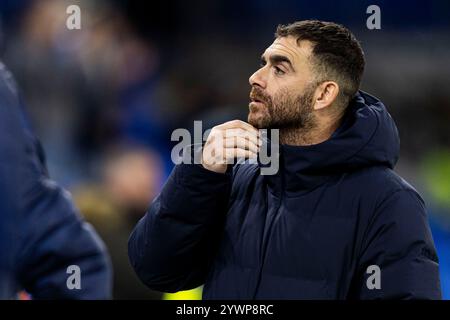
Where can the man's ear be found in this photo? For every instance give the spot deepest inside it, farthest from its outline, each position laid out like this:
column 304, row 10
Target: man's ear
column 326, row 94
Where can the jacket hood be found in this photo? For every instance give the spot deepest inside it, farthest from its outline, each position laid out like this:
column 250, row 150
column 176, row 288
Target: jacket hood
column 367, row 137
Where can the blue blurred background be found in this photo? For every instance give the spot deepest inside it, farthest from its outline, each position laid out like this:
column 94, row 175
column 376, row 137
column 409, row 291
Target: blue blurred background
column 105, row 99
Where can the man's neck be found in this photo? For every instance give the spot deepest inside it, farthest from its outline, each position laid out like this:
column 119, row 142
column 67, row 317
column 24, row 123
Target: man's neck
column 309, row 136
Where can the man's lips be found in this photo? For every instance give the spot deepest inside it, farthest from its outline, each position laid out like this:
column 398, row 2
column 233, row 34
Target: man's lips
column 256, row 105
column 256, row 100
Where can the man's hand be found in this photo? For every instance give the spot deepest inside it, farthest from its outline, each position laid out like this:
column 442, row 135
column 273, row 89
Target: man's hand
column 228, row 141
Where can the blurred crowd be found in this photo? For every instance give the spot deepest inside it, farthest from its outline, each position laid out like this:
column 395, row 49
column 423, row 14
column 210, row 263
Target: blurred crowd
column 105, row 99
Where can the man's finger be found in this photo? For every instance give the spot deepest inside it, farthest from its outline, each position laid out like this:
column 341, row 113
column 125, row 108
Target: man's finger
column 241, row 142
column 232, row 153
column 235, row 124
column 239, row 132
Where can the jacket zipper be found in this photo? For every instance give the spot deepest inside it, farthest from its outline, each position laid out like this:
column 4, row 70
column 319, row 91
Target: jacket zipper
column 267, row 239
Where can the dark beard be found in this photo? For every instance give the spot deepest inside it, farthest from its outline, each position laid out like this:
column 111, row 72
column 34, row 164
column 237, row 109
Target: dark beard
column 284, row 111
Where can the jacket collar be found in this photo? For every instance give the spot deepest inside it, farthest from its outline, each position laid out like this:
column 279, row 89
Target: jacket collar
column 366, row 137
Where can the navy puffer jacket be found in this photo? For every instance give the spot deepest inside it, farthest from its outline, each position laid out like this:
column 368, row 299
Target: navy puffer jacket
column 311, row 231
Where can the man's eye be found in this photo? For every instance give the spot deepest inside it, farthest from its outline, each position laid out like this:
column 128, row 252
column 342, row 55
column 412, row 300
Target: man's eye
column 278, row 71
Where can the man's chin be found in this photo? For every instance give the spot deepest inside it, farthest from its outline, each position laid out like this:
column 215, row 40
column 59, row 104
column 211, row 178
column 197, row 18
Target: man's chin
column 257, row 121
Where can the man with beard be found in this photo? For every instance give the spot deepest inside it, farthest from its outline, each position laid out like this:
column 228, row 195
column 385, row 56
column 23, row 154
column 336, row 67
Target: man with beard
column 335, row 221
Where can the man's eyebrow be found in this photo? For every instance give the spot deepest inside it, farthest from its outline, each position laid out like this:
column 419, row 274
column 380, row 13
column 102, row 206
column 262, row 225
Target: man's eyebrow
column 276, row 59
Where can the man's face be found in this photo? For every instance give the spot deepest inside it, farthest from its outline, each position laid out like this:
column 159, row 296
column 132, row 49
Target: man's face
column 283, row 88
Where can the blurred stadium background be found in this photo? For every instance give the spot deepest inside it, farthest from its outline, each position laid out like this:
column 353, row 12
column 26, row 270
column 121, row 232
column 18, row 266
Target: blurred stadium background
column 105, row 99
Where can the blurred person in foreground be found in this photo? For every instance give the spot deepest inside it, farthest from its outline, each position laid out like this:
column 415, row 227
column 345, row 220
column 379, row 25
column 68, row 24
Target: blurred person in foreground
column 41, row 232
column 131, row 175
column 334, row 212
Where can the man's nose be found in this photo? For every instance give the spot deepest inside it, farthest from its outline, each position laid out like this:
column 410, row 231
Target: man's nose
column 257, row 79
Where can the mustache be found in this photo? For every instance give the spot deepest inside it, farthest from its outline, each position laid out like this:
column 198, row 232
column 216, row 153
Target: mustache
column 258, row 94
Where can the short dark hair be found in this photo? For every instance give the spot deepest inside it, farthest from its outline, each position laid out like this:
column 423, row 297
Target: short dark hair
column 336, row 54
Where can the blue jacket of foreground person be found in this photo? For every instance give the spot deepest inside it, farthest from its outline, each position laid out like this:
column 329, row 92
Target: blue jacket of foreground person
column 41, row 233
column 335, row 222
